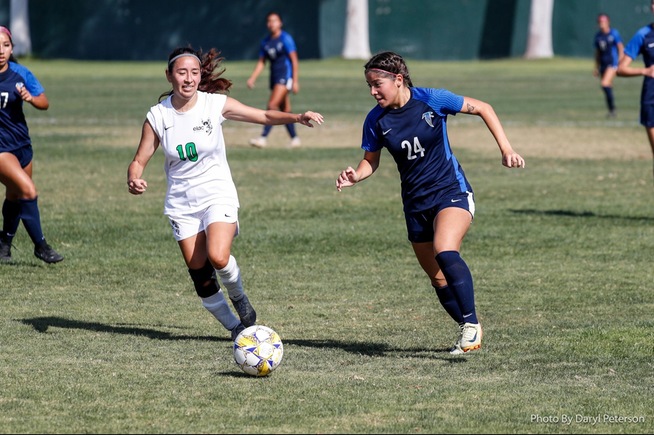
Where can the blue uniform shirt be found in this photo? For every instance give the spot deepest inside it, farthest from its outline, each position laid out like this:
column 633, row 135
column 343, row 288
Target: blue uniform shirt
column 607, row 46
column 276, row 51
column 416, row 136
column 14, row 133
column 643, row 43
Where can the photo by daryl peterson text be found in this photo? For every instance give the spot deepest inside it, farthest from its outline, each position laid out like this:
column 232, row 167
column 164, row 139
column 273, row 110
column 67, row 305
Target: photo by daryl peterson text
column 568, row 419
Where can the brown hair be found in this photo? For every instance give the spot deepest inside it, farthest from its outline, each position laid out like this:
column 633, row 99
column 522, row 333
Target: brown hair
column 210, row 70
column 390, row 63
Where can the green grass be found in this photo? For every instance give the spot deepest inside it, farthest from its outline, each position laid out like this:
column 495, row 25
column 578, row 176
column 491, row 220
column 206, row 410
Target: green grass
column 114, row 340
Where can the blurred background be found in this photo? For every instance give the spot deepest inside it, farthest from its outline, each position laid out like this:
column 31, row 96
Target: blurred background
column 418, row 29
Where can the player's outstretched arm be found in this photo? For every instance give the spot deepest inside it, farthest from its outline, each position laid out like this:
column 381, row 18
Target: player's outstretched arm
column 510, row 158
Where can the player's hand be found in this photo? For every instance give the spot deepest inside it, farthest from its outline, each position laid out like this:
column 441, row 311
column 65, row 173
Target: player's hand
column 250, row 83
column 513, row 160
column 347, row 178
column 24, row 93
column 137, row 186
column 307, row 117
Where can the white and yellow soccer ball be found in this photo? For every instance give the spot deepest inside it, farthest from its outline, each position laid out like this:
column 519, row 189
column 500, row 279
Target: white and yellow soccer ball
column 258, row 350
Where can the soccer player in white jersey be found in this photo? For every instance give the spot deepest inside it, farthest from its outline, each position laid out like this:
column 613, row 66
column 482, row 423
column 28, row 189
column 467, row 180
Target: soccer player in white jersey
column 201, row 202
column 410, row 122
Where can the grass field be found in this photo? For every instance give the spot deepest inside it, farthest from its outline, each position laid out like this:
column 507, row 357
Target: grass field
column 114, row 340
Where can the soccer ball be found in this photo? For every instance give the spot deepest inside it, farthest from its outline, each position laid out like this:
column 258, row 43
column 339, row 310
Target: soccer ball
column 258, row 350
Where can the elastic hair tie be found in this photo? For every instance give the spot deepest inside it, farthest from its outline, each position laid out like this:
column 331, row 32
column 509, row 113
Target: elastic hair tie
column 171, row 61
column 383, row 71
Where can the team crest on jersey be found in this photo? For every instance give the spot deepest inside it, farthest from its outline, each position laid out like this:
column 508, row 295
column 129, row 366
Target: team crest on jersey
column 206, row 126
column 428, row 116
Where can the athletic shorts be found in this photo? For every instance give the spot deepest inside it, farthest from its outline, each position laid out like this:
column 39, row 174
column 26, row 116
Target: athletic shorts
column 190, row 224
column 288, row 83
column 647, row 115
column 420, row 225
column 23, row 154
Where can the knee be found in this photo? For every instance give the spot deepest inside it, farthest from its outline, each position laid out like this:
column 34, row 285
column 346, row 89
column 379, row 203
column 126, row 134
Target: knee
column 204, row 281
column 219, row 260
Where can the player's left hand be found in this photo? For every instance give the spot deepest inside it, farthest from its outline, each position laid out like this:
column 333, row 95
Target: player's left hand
column 24, row 93
column 307, row 117
column 513, row 160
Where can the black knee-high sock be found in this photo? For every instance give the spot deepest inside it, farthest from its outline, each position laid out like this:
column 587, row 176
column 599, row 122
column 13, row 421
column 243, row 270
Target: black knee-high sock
column 608, row 91
column 459, row 279
column 448, row 301
column 29, row 214
column 11, row 219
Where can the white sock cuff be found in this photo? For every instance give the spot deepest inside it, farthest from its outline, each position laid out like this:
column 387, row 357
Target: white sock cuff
column 229, row 273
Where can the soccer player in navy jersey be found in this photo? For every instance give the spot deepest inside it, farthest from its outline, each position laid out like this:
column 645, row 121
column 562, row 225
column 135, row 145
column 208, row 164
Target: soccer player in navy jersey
column 279, row 49
column 608, row 51
column 642, row 43
column 18, row 85
column 410, row 122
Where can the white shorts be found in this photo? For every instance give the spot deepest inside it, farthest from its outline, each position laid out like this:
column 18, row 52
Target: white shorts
column 188, row 225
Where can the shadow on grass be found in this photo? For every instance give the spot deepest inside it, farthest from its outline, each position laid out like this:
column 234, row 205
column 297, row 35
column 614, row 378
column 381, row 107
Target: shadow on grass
column 582, row 214
column 42, row 324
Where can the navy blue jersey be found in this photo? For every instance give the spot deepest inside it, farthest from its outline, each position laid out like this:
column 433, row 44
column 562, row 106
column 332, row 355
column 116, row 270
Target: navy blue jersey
column 607, row 48
column 643, row 43
column 14, row 133
column 276, row 51
column 416, row 136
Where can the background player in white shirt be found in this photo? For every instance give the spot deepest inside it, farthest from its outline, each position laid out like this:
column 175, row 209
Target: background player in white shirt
column 201, row 201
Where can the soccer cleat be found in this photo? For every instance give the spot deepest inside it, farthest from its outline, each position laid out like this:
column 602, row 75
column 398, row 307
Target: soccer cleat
column 469, row 339
column 46, row 253
column 259, row 142
column 237, row 330
column 295, row 142
column 245, row 311
column 5, row 250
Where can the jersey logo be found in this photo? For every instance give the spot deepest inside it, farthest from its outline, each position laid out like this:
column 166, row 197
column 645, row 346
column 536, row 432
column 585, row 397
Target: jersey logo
column 428, row 116
column 386, row 132
column 206, row 126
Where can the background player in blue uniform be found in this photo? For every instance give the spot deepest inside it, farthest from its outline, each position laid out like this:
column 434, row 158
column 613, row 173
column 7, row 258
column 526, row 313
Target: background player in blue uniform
column 410, row 123
column 608, row 51
column 278, row 48
column 642, row 43
column 18, row 84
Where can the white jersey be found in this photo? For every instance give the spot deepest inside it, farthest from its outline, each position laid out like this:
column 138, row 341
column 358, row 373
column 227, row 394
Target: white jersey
column 196, row 160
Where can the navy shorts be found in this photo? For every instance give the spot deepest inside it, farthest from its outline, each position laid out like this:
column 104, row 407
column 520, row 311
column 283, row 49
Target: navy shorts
column 647, row 115
column 420, row 225
column 24, row 155
column 287, row 82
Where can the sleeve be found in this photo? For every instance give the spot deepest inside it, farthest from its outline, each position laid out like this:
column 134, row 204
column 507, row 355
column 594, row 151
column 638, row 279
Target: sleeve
column 633, row 47
column 370, row 137
column 262, row 48
column 155, row 118
column 289, row 42
column 616, row 35
column 442, row 101
column 31, row 82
